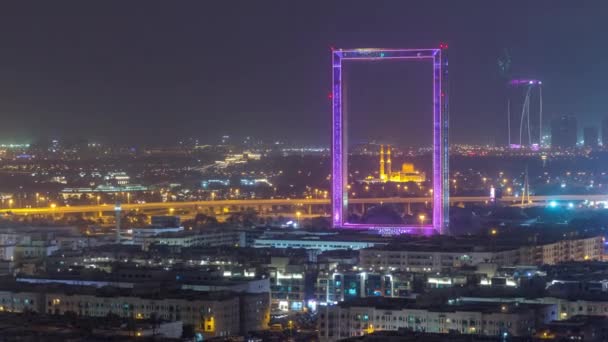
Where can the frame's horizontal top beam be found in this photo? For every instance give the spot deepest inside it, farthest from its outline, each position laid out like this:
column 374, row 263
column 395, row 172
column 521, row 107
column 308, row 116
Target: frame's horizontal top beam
column 366, row 54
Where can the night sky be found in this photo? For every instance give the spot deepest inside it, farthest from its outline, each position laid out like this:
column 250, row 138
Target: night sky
column 156, row 71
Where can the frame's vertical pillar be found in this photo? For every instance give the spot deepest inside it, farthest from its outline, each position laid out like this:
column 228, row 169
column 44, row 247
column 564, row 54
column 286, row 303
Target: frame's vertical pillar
column 344, row 140
column 437, row 145
column 338, row 201
column 445, row 229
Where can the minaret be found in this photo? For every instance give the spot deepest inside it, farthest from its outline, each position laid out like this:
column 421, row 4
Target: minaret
column 388, row 163
column 382, row 175
column 117, row 210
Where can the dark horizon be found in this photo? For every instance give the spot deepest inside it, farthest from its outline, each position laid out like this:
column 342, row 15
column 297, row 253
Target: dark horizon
column 148, row 73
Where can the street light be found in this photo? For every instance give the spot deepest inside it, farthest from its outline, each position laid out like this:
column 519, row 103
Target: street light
column 10, row 203
column 98, row 199
column 422, row 217
column 298, row 214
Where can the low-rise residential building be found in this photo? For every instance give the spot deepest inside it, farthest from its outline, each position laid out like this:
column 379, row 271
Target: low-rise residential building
column 336, row 286
column 7, row 252
column 564, row 307
column 364, row 316
column 201, row 238
column 429, row 258
column 572, row 249
column 288, row 286
column 213, row 314
column 435, row 255
column 38, row 326
column 577, row 328
column 35, row 249
column 316, row 243
column 141, row 233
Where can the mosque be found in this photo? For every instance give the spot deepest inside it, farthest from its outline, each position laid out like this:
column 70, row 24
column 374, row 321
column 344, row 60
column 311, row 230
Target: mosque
column 406, row 174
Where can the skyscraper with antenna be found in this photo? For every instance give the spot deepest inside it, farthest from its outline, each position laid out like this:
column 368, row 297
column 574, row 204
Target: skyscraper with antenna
column 524, row 106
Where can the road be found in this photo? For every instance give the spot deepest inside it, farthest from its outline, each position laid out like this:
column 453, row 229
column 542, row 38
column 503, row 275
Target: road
column 253, row 203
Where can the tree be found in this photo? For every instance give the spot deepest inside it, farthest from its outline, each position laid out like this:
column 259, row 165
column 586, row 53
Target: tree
column 250, row 218
column 204, row 221
column 188, row 331
column 131, row 326
column 247, row 218
column 155, row 320
column 320, row 222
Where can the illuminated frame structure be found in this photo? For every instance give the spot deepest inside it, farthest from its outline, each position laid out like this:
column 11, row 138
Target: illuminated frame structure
column 440, row 137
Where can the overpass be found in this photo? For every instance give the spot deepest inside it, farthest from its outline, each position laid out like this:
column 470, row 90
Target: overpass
column 260, row 204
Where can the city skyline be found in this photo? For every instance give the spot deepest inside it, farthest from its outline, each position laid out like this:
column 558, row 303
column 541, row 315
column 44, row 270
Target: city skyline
column 156, row 74
column 303, row 171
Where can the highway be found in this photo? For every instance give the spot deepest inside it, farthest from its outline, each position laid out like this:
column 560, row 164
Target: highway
column 253, row 203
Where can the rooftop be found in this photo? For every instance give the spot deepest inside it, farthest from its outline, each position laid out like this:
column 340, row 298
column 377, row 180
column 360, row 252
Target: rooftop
column 404, row 335
column 383, row 303
column 152, row 293
column 467, row 244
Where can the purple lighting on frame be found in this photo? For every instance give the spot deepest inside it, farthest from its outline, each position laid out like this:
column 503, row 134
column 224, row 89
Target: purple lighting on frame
column 383, row 229
column 339, row 194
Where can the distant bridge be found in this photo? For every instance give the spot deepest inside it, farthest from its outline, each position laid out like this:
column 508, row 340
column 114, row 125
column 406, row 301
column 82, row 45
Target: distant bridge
column 227, row 206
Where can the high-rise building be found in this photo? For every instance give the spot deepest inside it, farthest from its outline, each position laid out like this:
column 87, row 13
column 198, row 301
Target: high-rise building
column 605, row 132
column 590, row 136
column 564, row 132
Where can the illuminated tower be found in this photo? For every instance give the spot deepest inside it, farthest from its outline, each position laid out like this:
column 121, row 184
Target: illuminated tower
column 382, row 175
column 389, row 169
column 340, row 175
column 528, row 86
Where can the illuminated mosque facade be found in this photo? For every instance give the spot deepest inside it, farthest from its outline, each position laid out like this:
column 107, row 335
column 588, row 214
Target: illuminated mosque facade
column 386, row 173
